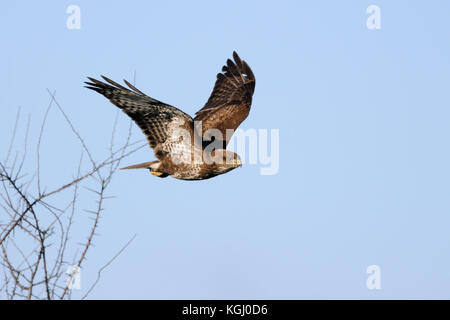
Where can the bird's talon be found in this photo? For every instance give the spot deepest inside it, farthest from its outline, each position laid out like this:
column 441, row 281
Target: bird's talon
column 157, row 173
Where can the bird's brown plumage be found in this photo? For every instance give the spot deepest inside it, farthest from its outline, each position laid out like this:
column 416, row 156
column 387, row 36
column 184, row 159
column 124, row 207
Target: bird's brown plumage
column 230, row 100
column 170, row 132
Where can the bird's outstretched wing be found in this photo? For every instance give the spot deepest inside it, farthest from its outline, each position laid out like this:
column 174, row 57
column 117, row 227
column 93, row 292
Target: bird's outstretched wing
column 160, row 122
column 230, row 100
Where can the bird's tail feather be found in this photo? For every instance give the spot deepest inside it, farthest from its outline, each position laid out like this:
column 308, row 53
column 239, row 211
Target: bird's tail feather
column 145, row 165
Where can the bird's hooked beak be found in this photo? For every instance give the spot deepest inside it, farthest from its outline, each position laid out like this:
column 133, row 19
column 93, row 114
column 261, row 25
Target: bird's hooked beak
column 237, row 163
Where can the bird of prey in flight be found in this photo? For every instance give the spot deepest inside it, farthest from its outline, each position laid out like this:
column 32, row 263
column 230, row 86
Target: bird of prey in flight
column 188, row 148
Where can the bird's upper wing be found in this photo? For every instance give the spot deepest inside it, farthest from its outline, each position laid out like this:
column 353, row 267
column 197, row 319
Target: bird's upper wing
column 159, row 122
column 230, row 100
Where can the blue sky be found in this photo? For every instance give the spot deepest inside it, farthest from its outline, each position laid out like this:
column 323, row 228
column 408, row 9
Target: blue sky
column 363, row 117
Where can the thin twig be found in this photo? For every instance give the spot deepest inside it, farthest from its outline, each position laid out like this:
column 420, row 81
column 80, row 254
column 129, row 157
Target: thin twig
column 106, row 265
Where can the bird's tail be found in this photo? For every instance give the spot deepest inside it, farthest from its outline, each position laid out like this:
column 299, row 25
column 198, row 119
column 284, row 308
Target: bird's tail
column 145, row 165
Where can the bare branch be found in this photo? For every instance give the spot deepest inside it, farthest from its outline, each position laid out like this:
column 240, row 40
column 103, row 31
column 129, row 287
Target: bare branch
column 36, row 225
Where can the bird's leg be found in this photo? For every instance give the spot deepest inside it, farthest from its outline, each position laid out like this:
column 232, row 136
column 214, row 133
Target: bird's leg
column 156, row 173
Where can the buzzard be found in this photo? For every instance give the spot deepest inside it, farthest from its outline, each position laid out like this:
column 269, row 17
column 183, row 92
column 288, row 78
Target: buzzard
column 186, row 148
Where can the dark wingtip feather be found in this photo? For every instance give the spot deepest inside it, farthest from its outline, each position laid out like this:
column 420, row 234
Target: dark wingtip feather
column 237, row 59
column 115, row 84
column 100, row 84
column 133, row 87
column 232, row 68
column 99, row 90
column 248, row 71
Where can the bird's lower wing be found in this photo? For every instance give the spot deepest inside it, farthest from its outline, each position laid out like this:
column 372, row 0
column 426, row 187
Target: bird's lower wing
column 162, row 124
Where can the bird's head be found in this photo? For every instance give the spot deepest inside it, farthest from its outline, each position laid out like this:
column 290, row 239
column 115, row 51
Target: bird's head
column 224, row 160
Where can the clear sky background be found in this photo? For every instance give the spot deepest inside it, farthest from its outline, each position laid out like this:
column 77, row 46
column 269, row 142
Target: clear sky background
column 363, row 117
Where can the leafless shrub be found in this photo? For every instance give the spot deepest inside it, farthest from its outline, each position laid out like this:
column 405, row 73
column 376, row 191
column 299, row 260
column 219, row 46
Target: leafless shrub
column 36, row 225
